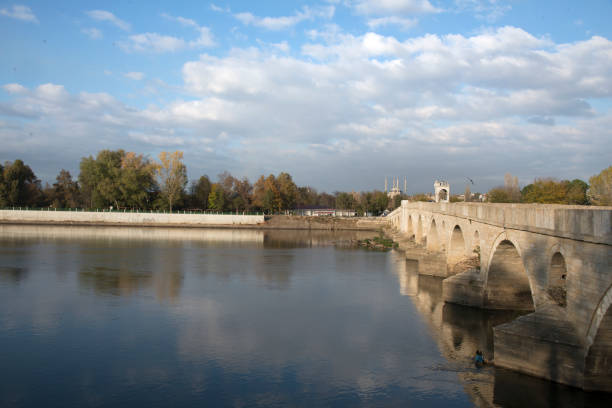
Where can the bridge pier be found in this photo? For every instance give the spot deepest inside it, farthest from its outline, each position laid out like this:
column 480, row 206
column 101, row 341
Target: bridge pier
column 465, row 289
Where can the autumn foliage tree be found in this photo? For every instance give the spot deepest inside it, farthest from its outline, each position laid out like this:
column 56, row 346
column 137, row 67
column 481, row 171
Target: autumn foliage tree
column 172, row 176
column 600, row 192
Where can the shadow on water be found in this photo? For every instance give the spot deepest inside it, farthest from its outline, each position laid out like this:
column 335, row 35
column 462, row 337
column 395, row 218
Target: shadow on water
column 459, row 331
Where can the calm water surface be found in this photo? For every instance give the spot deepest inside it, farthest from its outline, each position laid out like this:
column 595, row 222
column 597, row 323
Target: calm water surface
column 169, row 317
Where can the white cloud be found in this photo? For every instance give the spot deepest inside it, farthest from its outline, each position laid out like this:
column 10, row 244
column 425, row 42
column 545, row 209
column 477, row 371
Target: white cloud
column 153, row 42
column 204, row 40
column 393, row 7
column 436, row 102
column 92, row 33
column 218, row 9
column 403, row 23
column 19, row 12
column 14, row 88
column 488, row 10
column 157, row 139
column 187, row 22
column 284, row 22
column 159, row 43
column 136, row 76
column 103, row 15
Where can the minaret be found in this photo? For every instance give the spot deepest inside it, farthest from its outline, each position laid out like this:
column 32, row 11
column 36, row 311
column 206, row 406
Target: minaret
column 405, row 186
column 386, row 185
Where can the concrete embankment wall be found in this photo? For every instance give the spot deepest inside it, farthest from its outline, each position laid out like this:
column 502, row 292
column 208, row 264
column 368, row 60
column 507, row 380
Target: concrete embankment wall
column 287, row 222
column 135, row 219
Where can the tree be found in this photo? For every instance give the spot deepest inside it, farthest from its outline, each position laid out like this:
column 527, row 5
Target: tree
column 307, row 197
column 600, row 192
column 227, row 183
column 259, row 192
column 272, row 196
column 546, row 191
column 468, row 194
column 512, row 188
column 499, row 195
column 117, row 178
column 216, row 198
column 287, row 190
column 378, row 202
column 65, row 191
column 19, row 186
column 421, row 197
column 172, row 176
column 509, row 193
column 577, row 192
column 345, row 201
column 100, row 178
column 243, row 191
column 199, row 192
column 136, row 180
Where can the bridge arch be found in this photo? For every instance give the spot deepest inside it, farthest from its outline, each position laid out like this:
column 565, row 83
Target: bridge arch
column 507, row 283
column 557, row 275
column 456, row 247
column 433, row 240
column 598, row 364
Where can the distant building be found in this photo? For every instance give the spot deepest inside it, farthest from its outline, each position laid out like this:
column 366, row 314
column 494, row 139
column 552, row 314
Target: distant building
column 324, row 212
column 395, row 191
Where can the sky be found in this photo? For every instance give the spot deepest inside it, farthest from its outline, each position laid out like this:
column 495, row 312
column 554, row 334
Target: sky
column 338, row 93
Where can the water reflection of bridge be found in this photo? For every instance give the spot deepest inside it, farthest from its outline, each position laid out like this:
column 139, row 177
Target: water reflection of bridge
column 460, row 330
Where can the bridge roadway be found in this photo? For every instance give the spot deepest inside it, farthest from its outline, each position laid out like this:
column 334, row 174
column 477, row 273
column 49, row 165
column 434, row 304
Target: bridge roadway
column 554, row 261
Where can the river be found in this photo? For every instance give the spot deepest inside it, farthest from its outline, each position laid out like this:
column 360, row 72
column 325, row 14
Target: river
column 129, row 317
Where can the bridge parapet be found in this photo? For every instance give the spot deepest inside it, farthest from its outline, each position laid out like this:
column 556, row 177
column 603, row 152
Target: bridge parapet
column 582, row 223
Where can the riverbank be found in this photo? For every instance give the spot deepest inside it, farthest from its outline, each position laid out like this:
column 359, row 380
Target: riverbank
column 187, row 220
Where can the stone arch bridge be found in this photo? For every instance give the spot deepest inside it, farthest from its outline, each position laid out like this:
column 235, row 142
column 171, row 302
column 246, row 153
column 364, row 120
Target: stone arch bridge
column 552, row 260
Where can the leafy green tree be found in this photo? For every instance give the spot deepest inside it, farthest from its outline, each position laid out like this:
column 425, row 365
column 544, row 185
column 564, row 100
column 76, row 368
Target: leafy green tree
column 19, row 186
column 288, row 191
column 307, row 197
column 600, row 192
column 136, row 180
column 243, row 194
column 272, row 196
column 577, row 192
column 345, row 201
column 65, row 192
column 199, row 192
column 117, row 178
column 216, row 198
column 499, row 195
column 100, row 178
column 545, row 191
column 172, row 176
column 259, row 192
column 326, row 200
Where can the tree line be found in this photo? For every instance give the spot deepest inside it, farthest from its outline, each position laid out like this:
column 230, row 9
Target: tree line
column 126, row 180
column 121, row 180
column 550, row 191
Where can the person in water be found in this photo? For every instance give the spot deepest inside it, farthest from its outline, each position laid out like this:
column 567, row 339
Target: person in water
column 479, row 358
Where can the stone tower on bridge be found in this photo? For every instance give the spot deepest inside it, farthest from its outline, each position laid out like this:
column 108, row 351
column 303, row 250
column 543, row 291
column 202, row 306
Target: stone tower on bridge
column 441, row 191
